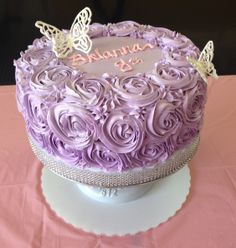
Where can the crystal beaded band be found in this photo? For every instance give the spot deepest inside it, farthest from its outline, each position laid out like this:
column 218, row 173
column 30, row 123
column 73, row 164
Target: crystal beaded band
column 100, row 178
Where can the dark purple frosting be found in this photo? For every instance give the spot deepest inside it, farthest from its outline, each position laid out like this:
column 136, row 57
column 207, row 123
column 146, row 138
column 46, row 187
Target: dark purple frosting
column 112, row 122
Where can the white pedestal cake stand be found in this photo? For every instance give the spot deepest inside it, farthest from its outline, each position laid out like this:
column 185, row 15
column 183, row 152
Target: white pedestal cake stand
column 155, row 207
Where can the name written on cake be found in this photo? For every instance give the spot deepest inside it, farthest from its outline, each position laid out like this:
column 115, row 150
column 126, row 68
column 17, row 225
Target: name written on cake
column 97, row 55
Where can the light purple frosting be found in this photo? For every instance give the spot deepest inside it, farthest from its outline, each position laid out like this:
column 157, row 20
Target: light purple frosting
column 72, row 124
column 163, row 121
column 87, row 91
column 61, row 150
column 112, row 122
column 98, row 154
column 150, row 152
column 122, row 132
column 137, row 90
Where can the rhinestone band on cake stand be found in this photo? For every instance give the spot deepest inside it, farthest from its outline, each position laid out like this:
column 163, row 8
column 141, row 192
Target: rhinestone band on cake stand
column 104, row 203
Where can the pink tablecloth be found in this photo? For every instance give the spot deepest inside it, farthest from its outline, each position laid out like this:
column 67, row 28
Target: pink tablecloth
column 207, row 219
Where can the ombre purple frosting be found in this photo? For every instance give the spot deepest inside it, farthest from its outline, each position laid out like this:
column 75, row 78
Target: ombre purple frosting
column 112, row 122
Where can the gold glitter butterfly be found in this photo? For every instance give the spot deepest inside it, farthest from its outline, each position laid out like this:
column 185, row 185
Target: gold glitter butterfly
column 204, row 64
column 77, row 38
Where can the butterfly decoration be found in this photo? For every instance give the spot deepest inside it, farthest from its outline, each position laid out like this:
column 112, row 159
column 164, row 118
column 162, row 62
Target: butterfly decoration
column 77, row 38
column 204, row 64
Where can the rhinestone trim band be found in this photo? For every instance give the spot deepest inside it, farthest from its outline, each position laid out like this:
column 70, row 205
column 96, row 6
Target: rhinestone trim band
column 117, row 179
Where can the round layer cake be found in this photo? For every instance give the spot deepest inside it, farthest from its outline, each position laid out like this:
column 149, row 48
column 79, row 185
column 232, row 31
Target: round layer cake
column 131, row 103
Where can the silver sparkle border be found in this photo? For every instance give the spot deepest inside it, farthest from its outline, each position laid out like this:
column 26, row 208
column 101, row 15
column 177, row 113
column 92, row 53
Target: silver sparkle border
column 117, row 179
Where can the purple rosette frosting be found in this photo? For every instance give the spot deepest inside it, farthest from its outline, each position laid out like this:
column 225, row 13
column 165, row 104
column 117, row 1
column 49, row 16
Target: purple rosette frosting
column 163, row 121
column 185, row 135
column 35, row 112
column 150, row 153
column 154, row 35
column 137, row 90
column 177, row 57
column 56, row 147
column 40, row 139
column 149, row 35
column 175, row 97
column 122, row 132
column 72, row 124
column 96, row 30
column 98, row 155
column 39, row 57
column 164, row 32
column 174, row 77
column 88, row 91
column 51, row 79
column 193, row 104
column 178, row 42
column 126, row 28
column 50, row 82
column 23, row 74
column 41, row 43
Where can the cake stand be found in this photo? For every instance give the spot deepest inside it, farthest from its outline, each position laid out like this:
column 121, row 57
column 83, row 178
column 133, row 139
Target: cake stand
column 77, row 207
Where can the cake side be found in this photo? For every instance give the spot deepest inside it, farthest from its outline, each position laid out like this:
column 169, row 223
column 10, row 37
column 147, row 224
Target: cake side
column 119, row 119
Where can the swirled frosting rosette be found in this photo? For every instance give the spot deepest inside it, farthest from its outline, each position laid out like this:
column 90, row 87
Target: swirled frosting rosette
column 122, row 132
column 185, row 134
column 39, row 57
column 163, row 121
column 174, row 77
column 41, row 43
column 156, row 35
column 97, row 30
column 52, row 78
column 88, row 91
column 50, row 82
column 99, row 156
column 36, row 113
column 137, row 90
column 61, row 150
column 126, row 28
column 194, row 103
column 116, row 120
column 178, row 42
column 163, row 32
column 177, row 56
column 72, row 124
column 149, row 153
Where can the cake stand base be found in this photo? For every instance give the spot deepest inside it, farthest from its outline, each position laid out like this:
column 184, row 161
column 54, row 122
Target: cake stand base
column 155, row 207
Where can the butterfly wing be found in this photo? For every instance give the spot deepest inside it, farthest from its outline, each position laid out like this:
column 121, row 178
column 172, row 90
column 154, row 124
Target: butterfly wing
column 82, row 43
column 48, row 30
column 81, row 22
column 204, row 64
column 206, row 58
column 207, row 53
column 198, row 66
column 79, row 30
column 62, row 44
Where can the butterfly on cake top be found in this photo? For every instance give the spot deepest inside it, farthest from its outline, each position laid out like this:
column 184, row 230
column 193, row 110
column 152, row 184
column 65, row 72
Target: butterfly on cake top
column 204, row 64
column 77, row 38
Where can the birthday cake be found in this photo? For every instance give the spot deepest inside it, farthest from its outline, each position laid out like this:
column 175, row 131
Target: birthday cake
column 114, row 98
